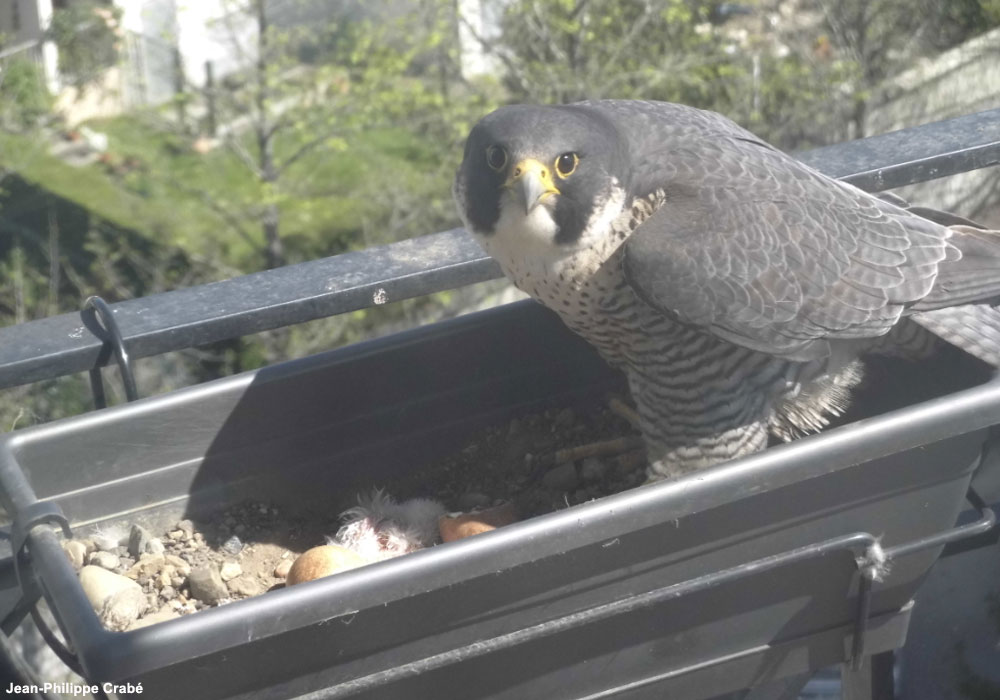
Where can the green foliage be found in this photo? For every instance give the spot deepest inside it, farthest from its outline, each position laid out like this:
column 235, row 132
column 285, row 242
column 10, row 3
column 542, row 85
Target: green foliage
column 347, row 130
column 24, row 99
column 87, row 35
column 568, row 50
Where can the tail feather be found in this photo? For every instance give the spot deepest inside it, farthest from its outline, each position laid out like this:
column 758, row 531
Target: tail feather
column 961, row 308
column 975, row 328
column 972, row 278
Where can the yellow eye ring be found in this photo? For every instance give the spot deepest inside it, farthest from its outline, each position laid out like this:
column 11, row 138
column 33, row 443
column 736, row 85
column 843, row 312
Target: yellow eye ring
column 566, row 164
column 496, row 158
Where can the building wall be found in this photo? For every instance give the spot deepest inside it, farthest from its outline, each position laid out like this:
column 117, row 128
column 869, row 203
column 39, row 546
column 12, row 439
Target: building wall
column 964, row 80
column 19, row 20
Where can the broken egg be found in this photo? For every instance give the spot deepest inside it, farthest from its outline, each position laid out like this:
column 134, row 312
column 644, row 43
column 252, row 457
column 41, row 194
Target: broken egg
column 456, row 527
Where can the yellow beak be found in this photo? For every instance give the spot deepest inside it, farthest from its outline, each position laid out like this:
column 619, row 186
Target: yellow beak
column 531, row 182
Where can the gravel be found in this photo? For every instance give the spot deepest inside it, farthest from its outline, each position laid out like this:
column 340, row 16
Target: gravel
column 249, row 549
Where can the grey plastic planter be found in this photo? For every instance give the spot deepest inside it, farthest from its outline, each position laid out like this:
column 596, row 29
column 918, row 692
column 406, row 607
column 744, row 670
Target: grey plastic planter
column 736, row 576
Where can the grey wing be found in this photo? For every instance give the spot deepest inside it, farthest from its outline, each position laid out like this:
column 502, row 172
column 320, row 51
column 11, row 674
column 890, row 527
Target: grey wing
column 769, row 254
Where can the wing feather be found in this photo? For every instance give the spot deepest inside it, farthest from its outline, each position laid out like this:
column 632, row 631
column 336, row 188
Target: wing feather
column 768, row 253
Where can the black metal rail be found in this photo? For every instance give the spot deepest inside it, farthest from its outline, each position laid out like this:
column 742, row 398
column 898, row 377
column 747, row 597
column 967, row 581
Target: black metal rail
column 262, row 301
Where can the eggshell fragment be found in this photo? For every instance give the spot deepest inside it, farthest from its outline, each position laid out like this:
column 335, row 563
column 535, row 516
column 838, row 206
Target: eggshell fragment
column 323, row 561
column 468, row 524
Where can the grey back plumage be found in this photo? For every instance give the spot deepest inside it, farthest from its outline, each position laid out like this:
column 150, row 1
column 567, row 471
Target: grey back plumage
column 767, row 253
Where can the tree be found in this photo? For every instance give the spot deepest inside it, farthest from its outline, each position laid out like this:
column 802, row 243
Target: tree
column 312, row 91
column 882, row 38
column 87, row 35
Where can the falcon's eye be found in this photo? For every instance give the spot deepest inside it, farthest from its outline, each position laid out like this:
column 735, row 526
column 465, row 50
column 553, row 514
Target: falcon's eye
column 496, row 157
column 566, row 164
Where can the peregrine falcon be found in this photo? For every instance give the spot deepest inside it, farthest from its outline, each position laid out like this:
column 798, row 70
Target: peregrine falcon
column 734, row 286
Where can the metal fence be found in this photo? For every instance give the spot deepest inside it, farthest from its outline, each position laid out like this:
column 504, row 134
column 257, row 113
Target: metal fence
column 161, row 323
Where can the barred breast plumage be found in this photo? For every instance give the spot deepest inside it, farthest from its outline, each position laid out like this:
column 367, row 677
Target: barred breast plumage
column 734, row 286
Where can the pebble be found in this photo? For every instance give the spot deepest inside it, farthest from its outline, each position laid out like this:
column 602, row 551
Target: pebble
column 186, row 526
column 168, row 592
column 100, row 584
column 230, row 570
column 147, row 567
column 244, row 586
column 207, row 585
column 75, row 552
column 109, row 540
column 592, row 469
column 105, row 560
column 561, row 478
column 123, row 608
column 232, row 546
column 177, row 535
column 162, row 615
column 140, row 542
column 282, row 569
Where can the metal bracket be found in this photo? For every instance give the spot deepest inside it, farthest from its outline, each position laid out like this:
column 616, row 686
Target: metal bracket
column 38, row 513
column 28, row 518
column 117, row 342
column 876, row 559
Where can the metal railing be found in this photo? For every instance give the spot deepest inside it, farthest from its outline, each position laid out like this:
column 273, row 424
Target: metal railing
column 184, row 318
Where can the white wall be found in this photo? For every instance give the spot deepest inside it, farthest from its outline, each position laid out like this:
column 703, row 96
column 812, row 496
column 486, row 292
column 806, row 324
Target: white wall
column 479, row 23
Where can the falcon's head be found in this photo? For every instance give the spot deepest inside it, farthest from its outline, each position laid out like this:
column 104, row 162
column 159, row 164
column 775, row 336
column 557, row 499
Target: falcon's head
column 547, row 178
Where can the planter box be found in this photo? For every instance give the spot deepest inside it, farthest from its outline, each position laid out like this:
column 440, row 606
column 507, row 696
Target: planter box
column 681, row 589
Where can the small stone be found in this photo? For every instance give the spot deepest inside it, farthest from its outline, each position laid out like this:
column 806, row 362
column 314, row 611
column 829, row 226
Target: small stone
column 75, row 552
column 281, row 570
column 473, row 500
column 100, row 584
column 207, row 585
column 230, row 570
column 105, row 560
column 177, row 581
column 232, row 546
column 177, row 535
column 147, row 567
column 122, row 609
column 108, row 540
column 168, row 593
column 162, row 615
column 561, row 478
column 244, row 586
column 140, row 542
column 592, row 469
column 186, row 526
